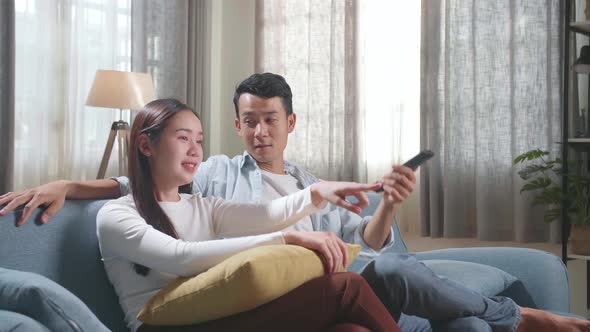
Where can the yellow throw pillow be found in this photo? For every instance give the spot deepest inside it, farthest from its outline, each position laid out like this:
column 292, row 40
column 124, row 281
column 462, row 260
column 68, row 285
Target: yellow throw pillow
column 240, row 283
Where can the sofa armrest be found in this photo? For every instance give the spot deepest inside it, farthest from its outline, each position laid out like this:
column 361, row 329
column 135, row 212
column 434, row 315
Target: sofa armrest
column 66, row 251
column 543, row 280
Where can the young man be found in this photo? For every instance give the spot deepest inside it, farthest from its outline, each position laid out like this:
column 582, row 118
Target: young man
column 264, row 119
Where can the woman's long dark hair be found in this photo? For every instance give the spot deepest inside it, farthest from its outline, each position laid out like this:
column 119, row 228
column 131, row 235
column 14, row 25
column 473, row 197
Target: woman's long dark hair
column 151, row 120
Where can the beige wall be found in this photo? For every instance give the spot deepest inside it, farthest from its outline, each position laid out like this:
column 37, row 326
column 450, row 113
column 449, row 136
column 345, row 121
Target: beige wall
column 232, row 60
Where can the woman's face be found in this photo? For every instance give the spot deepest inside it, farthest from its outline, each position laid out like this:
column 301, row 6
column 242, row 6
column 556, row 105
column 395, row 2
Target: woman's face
column 175, row 157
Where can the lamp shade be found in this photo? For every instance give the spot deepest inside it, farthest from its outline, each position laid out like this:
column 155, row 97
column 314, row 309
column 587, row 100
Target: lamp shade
column 120, row 89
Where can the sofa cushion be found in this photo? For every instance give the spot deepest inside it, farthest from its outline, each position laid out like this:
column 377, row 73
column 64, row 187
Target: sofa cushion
column 45, row 301
column 484, row 279
column 15, row 322
column 240, row 283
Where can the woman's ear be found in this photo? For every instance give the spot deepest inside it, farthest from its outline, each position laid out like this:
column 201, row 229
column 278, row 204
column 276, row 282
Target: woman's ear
column 145, row 146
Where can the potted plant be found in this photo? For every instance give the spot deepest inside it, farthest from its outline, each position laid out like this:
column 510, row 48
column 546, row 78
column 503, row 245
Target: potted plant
column 542, row 176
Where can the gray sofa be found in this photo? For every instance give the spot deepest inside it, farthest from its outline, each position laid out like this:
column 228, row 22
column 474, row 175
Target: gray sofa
column 66, row 251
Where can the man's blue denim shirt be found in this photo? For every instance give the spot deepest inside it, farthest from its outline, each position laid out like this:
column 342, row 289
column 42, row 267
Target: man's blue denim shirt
column 240, row 179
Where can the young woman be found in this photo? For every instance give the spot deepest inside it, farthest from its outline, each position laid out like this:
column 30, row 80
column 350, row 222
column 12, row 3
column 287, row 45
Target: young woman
column 156, row 234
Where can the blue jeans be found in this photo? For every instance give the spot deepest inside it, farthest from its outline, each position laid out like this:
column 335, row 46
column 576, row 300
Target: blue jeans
column 431, row 303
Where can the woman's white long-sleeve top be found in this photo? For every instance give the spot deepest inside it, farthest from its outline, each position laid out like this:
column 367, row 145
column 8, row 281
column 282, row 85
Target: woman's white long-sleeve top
column 210, row 230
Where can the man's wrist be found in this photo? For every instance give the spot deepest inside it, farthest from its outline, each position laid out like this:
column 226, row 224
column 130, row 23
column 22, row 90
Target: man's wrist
column 69, row 187
column 388, row 204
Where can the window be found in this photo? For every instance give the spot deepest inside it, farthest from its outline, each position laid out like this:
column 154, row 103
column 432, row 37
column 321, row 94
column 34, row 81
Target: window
column 389, row 81
column 59, row 46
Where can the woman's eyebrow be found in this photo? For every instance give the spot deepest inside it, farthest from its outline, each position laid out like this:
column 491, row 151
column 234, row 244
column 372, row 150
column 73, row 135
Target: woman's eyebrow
column 189, row 130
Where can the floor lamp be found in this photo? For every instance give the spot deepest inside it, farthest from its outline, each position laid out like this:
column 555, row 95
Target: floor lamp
column 124, row 91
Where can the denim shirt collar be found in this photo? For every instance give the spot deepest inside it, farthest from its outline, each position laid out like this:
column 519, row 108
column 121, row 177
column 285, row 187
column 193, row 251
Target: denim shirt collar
column 247, row 159
column 291, row 169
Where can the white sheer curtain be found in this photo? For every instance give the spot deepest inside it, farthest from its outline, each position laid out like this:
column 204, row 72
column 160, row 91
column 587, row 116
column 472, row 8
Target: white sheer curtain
column 59, row 46
column 354, row 68
column 311, row 43
column 491, row 91
column 388, row 88
column 171, row 40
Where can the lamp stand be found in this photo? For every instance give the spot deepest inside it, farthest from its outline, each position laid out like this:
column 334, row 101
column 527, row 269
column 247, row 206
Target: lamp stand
column 119, row 129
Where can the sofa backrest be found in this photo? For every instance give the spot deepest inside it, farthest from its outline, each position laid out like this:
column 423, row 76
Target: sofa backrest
column 66, row 251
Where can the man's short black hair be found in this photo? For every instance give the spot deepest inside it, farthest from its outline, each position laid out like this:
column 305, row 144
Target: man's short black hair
column 265, row 85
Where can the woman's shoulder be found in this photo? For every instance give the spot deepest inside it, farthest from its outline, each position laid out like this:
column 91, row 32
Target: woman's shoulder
column 126, row 200
column 123, row 203
column 196, row 199
column 200, row 202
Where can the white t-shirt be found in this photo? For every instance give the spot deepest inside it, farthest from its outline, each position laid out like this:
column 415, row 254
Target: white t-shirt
column 279, row 185
column 201, row 223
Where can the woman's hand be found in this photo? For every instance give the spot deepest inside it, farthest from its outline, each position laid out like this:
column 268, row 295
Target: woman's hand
column 336, row 192
column 331, row 248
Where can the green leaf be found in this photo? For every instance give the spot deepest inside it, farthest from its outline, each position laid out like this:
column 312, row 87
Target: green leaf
column 537, row 154
column 543, row 179
column 518, row 159
column 545, row 198
column 551, row 195
column 531, row 170
column 552, row 215
column 530, row 155
column 538, row 183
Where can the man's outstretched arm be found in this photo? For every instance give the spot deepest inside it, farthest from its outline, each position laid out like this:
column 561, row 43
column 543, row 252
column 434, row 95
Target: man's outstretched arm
column 53, row 195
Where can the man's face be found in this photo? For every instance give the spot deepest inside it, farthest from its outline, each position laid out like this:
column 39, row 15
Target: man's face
column 264, row 126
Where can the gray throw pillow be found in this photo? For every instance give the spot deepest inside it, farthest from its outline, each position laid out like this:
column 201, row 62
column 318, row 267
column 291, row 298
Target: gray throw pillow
column 484, row 279
column 46, row 302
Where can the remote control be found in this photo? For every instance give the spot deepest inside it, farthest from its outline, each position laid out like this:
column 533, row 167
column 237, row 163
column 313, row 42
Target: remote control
column 415, row 162
column 419, row 159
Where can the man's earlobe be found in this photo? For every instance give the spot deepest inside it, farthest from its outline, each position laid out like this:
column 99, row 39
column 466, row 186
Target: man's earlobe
column 291, row 122
column 237, row 124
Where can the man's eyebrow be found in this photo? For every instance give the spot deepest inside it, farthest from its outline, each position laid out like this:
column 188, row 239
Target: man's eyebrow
column 265, row 112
